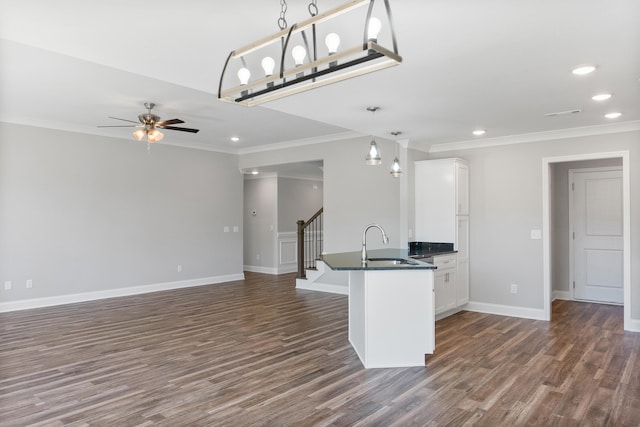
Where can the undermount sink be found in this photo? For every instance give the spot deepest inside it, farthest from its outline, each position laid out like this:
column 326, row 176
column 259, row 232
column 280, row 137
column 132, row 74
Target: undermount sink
column 390, row 262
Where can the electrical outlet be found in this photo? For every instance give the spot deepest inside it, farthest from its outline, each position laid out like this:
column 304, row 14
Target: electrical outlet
column 7, row 285
column 29, row 283
column 514, row 288
column 258, row 256
column 236, row 228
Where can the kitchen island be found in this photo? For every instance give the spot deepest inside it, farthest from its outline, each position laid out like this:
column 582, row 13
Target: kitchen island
column 391, row 307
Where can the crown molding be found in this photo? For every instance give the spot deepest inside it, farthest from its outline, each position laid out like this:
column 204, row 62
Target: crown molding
column 301, row 142
column 524, row 138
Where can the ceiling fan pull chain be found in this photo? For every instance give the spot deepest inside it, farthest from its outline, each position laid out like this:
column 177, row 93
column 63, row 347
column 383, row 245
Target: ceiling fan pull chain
column 282, row 21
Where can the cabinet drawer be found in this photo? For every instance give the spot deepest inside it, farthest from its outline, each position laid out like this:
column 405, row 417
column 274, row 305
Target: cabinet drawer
column 445, row 261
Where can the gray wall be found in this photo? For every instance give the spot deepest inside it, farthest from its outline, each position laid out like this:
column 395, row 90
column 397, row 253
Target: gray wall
column 298, row 199
column 560, row 260
column 506, row 203
column 81, row 213
column 260, row 195
column 354, row 194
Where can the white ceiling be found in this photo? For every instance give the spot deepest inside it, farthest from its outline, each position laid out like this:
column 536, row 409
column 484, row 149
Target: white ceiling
column 492, row 64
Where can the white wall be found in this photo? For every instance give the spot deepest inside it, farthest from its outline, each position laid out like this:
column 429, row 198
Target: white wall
column 82, row 214
column 354, row 194
column 506, row 203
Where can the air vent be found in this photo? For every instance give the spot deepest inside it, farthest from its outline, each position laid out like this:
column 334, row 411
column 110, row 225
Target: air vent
column 562, row 113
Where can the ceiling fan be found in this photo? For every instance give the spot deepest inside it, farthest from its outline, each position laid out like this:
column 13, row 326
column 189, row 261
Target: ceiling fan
column 149, row 124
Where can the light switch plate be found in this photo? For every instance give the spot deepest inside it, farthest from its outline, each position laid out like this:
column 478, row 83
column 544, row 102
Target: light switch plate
column 536, row 234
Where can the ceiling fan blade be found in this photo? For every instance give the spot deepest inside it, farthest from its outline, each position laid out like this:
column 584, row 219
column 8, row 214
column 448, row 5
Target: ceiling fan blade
column 118, row 126
column 169, row 122
column 124, row 120
column 180, row 129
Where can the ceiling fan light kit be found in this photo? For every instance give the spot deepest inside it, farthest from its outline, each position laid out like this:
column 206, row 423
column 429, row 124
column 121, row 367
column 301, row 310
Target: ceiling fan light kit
column 324, row 64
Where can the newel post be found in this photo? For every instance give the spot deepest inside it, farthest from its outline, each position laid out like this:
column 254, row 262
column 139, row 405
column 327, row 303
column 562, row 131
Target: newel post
column 301, row 272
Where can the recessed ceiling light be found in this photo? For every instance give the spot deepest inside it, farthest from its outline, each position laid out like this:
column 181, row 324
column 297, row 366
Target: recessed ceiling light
column 583, row 69
column 601, row 97
column 235, row 139
column 479, row 132
column 613, row 115
column 254, row 172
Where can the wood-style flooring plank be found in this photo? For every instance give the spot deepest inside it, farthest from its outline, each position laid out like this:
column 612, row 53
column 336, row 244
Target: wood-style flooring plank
column 258, row 352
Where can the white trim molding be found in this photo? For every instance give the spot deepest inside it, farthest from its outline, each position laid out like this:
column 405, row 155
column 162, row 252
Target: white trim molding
column 629, row 324
column 563, row 295
column 629, row 126
column 506, row 310
column 260, row 269
column 633, row 325
column 114, row 293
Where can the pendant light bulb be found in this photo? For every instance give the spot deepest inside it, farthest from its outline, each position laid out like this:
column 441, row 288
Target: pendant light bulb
column 243, row 75
column 373, row 158
column 395, row 168
column 268, row 64
column 154, row 135
column 333, row 42
column 139, row 134
column 374, row 29
column 298, row 54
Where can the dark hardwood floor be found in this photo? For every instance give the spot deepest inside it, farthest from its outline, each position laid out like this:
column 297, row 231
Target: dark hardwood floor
column 258, row 352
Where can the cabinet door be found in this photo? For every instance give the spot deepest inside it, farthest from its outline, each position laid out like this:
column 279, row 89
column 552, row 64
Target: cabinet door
column 462, row 188
column 445, row 289
column 434, row 201
column 462, row 236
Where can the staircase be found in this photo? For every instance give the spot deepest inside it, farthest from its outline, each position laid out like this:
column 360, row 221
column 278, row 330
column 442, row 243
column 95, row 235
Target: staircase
column 313, row 274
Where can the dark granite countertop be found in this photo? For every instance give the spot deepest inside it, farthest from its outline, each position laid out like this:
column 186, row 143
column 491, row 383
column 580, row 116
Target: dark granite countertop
column 380, row 259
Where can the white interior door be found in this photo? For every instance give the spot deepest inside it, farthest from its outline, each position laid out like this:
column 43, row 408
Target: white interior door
column 597, row 223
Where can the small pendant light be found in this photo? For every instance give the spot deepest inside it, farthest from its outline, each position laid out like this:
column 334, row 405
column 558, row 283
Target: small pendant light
column 396, row 171
column 373, row 157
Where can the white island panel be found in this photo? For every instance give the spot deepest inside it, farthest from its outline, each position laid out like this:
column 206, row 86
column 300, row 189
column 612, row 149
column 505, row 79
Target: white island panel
column 391, row 317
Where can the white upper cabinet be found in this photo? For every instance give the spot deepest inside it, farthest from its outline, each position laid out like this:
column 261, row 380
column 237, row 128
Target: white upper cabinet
column 441, row 193
column 462, row 187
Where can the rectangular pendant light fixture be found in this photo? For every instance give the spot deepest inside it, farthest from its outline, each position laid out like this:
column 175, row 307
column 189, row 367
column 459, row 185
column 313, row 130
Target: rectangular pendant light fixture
column 320, row 69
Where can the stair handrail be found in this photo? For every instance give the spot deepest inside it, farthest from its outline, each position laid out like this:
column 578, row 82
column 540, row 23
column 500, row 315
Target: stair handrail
column 315, row 245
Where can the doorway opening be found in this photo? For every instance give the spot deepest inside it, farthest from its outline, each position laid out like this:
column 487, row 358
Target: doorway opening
column 557, row 264
column 275, row 198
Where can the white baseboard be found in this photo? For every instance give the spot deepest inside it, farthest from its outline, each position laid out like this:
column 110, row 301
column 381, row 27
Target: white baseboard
column 113, row 293
column 259, row 269
column 322, row 287
column 633, row 325
column 506, row 310
column 283, row 269
column 564, row 295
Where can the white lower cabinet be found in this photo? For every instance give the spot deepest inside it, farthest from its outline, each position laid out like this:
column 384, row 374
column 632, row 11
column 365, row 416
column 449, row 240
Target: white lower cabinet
column 445, row 283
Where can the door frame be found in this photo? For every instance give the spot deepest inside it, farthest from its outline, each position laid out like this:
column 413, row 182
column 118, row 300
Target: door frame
column 546, row 221
column 572, row 173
